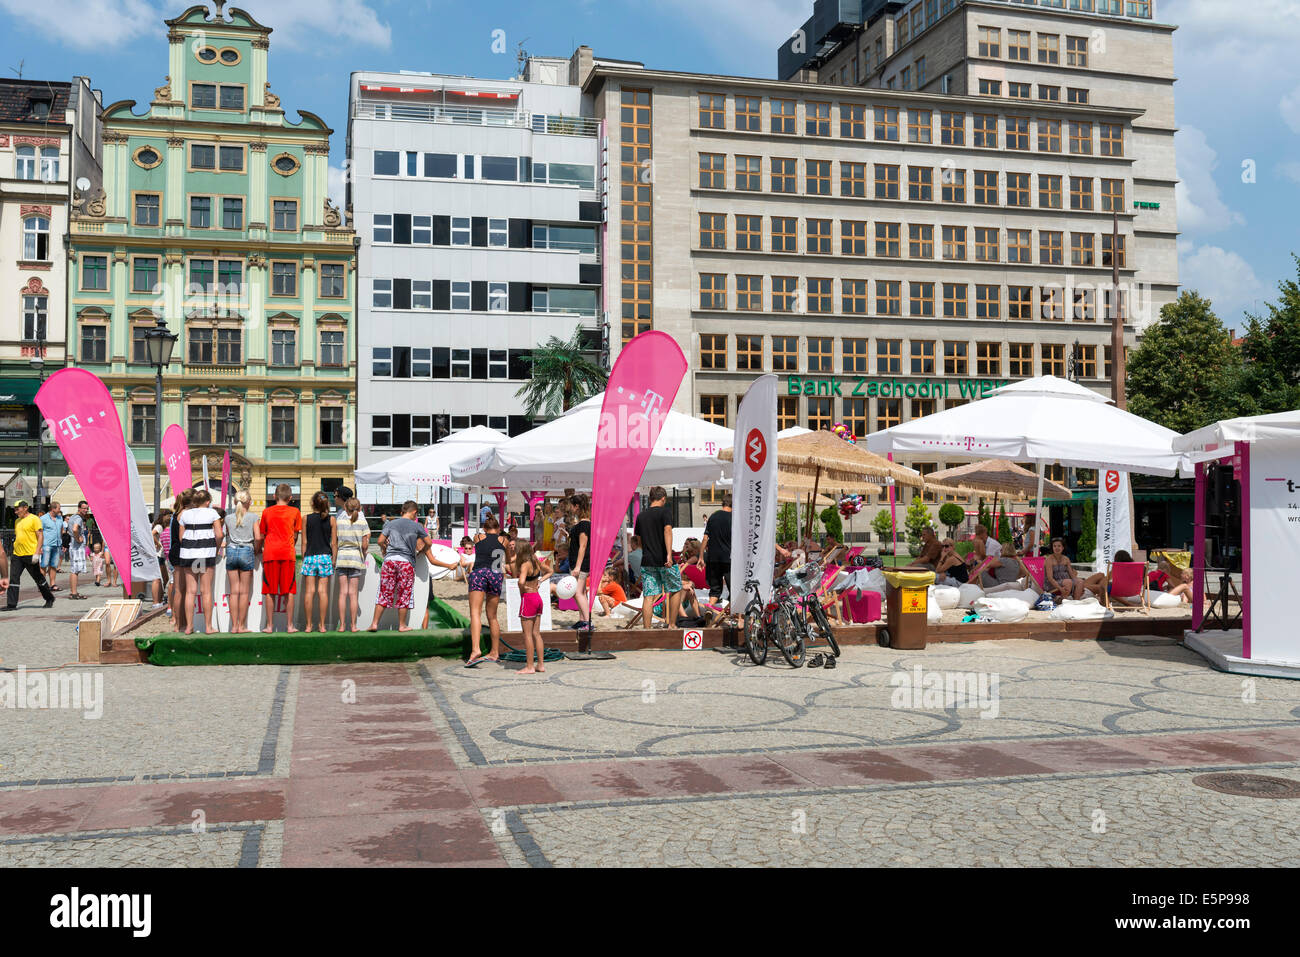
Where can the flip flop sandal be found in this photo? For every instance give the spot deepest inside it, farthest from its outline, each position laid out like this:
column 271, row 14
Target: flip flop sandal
column 816, row 661
column 830, row 662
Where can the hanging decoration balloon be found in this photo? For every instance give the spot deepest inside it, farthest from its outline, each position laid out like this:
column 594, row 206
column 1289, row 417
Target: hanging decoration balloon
column 843, row 432
column 850, row 505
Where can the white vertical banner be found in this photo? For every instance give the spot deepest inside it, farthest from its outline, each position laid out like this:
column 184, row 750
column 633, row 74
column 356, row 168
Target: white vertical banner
column 1114, row 523
column 144, row 557
column 1270, row 549
column 753, row 492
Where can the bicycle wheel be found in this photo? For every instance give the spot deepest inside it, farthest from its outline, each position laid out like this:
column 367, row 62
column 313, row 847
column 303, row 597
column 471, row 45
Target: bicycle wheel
column 790, row 637
column 755, row 638
column 824, row 626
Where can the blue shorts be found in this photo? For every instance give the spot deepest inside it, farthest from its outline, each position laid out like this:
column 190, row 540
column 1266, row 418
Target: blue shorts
column 239, row 558
column 317, row 566
column 50, row 556
column 661, row 581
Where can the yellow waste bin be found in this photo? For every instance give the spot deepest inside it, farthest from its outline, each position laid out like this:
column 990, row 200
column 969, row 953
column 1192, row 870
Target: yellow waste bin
column 907, row 608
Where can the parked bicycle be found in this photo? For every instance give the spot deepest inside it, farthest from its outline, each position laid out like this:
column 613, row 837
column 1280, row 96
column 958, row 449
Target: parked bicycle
column 812, row 616
column 773, row 622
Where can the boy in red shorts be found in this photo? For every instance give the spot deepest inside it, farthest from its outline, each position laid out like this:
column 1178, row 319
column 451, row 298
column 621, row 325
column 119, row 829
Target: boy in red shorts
column 279, row 528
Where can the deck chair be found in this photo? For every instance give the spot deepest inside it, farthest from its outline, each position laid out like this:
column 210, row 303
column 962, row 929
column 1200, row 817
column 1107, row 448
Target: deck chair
column 1127, row 580
column 634, row 612
column 825, row 594
column 1035, row 570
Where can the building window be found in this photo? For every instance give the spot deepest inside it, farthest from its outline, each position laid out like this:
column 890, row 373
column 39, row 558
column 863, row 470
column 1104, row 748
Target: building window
column 285, row 215
column 853, row 356
column 1049, row 136
column 1076, row 51
column 819, row 236
column 749, row 353
column 819, row 296
column 820, row 414
column 1017, row 189
column 853, row 297
column 1021, row 359
column 785, row 353
column 818, row 177
column 713, row 408
column 230, row 347
column 232, row 212
column 990, row 87
column 888, row 297
column 920, row 184
column 713, row 171
column 783, row 116
column 35, row 316
column 283, row 425
column 1053, row 359
column 888, row 239
column 853, row 122
column 820, row 354
column 1081, row 249
column 1018, row 45
column 1020, row 302
column 749, row 293
column 1112, row 139
column 954, row 185
column 1084, row 305
column 1081, row 192
column 331, row 348
column 1112, row 195
column 855, row 414
column 26, row 156
column 783, row 175
column 200, row 212
column 990, row 41
column 889, row 413
column 921, row 298
column 954, row 300
column 1049, row 48
column 284, row 279
column 1085, row 362
column 749, row 173
column 231, row 159
column 853, row 238
column 785, row 234
column 1018, row 250
column 1020, row 91
column 199, row 424
column 986, row 187
column 985, row 130
column 713, row 351
column 381, row 294
column 1107, row 239
column 144, row 276
column 331, row 425
column 988, row 301
column 749, row 233
column 787, row 412
column 94, row 273
column 1080, row 138
column 986, row 244
column 148, row 207
column 144, row 423
column 713, row 231
column 332, row 280
column 1052, row 304
column 988, row 359
column 1049, row 248
column 1049, row 191
column 713, row 111
column 889, row 356
column 817, row 119
column 36, row 239
column 749, row 113
column 886, row 181
column 785, row 293
column 920, row 242
column 952, row 129
column 1018, row 133
column 954, row 242
column 284, row 347
column 955, row 358
column 886, row 123
column 140, row 344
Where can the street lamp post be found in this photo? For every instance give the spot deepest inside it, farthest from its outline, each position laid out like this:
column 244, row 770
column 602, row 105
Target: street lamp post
column 160, row 342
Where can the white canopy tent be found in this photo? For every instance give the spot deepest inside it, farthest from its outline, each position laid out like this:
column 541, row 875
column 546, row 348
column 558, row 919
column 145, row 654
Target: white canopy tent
column 562, row 453
column 1204, row 443
column 431, row 465
column 1047, row 419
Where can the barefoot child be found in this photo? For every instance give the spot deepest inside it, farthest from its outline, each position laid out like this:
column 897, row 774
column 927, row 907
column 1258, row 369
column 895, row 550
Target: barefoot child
column 98, row 560
column 530, row 569
column 611, row 593
column 400, row 542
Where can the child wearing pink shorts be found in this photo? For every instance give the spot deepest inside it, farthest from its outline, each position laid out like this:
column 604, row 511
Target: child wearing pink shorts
column 530, row 571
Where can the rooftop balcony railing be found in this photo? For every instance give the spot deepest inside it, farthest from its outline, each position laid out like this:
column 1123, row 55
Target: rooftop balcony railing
column 468, row 116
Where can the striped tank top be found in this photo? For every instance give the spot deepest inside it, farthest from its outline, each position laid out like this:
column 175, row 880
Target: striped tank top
column 351, row 536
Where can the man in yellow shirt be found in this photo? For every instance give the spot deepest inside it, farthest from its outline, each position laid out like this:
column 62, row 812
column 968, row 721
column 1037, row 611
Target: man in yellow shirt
column 28, row 541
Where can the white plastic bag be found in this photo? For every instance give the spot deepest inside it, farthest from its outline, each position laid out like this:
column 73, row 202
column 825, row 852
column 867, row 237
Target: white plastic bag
column 1086, row 609
column 967, row 594
column 944, row 596
column 1005, row 610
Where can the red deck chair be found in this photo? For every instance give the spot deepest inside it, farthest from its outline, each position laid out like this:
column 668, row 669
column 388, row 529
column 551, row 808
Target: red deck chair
column 1127, row 580
column 1036, row 570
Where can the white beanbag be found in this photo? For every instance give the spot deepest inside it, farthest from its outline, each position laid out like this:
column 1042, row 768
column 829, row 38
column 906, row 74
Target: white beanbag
column 1087, row 609
column 1162, row 599
column 967, row 594
column 944, row 596
column 1006, row 610
column 1027, row 595
column 933, row 613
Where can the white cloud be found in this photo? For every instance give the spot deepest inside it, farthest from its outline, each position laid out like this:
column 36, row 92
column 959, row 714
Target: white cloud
column 338, row 186
column 1290, row 109
column 1290, row 169
column 1224, row 278
column 1257, row 36
column 1200, row 205
column 110, row 24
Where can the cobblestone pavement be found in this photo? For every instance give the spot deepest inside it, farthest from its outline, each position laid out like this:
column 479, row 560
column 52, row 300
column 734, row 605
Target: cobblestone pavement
column 656, row 758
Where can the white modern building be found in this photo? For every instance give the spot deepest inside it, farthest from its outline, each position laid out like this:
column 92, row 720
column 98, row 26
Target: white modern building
column 478, row 210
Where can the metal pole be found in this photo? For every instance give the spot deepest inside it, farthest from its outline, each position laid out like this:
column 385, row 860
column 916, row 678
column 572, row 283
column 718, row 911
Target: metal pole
column 157, row 444
column 1117, row 364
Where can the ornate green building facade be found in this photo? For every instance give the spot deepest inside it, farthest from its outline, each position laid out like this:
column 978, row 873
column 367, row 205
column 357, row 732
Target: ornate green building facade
column 215, row 218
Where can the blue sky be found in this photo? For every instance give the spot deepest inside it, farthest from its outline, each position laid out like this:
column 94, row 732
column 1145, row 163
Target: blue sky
column 1238, row 89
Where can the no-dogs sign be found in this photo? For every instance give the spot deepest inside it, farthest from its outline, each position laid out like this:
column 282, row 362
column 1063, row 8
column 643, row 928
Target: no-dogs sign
column 692, row 639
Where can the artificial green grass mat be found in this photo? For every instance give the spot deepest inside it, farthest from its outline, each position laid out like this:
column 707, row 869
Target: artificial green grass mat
column 302, row 648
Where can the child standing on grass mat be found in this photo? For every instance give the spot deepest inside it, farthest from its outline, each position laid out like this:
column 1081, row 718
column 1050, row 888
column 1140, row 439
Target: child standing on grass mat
column 401, row 541
column 530, row 570
column 280, row 528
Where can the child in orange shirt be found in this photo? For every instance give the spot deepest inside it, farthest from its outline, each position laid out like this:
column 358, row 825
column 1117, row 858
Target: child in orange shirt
column 611, row 593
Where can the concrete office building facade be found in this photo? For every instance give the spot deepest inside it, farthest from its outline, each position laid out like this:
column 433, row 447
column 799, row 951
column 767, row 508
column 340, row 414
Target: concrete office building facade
column 479, row 214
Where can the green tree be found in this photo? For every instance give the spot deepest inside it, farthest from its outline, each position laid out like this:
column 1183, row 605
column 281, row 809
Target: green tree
column 883, row 525
column 917, row 518
column 1004, row 527
column 952, row 515
column 561, row 375
column 1186, row 374
column 830, row 517
column 1270, row 380
column 787, row 523
column 1087, row 546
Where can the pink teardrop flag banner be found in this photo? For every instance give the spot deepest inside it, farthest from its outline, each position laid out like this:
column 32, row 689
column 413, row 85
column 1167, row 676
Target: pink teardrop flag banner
column 176, row 456
column 641, row 389
column 80, row 412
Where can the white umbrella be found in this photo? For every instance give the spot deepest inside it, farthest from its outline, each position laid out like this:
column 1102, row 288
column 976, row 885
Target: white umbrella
column 431, row 465
column 1047, row 419
column 1249, row 428
column 562, row 453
